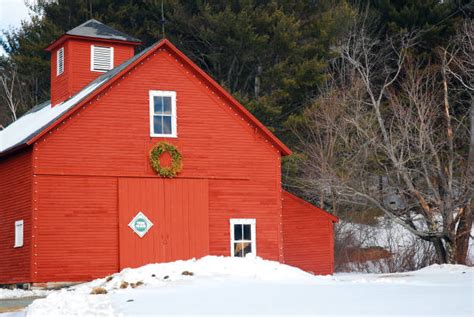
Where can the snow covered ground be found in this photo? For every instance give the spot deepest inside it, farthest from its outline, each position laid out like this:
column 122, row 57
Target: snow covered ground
column 232, row 286
column 19, row 293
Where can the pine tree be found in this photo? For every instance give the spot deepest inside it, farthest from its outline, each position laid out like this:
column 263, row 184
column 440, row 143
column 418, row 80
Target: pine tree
column 271, row 55
column 435, row 21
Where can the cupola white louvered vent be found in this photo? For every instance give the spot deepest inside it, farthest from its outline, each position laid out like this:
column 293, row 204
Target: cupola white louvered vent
column 60, row 61
column 102, row 58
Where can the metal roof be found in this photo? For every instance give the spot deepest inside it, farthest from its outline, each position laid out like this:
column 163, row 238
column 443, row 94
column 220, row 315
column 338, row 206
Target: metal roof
column 94, row 28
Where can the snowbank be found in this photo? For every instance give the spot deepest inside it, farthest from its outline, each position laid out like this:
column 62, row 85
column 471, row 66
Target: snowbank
column 233, row 286
column 77, row 301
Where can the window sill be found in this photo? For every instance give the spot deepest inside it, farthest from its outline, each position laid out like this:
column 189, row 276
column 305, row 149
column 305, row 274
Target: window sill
column 173, row 136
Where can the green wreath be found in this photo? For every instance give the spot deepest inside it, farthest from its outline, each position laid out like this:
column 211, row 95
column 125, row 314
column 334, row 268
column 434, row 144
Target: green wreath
column 176, row 164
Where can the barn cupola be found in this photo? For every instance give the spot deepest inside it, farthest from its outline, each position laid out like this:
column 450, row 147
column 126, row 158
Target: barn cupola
column 84, row 53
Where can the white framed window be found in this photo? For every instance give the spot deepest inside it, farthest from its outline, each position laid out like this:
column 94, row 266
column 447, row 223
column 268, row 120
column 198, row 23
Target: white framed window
column 18, row 234
column 102, row 58
column 163, row 113
column 60, row 61
column 243, row 239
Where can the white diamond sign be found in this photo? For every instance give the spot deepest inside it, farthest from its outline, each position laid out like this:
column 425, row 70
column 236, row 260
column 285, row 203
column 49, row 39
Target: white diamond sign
column 140, row 224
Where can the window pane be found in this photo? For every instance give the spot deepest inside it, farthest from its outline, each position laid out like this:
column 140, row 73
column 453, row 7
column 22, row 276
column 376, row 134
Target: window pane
column 246, row 248
column 18, row 233
column 238, row 249
column 237, row 232
column 166, row 125
column 158, row 100
column 167, row 105
column 247, row 234
column 158, row 124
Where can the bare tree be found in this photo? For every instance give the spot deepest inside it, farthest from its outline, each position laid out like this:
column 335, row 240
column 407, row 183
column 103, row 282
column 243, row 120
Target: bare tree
column 10, row 91
column 328, row 127
column 395, row 143
column 458, row 62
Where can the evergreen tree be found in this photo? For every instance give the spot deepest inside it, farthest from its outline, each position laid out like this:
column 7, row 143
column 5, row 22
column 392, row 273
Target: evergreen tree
column 270, row 54
column 435, row 21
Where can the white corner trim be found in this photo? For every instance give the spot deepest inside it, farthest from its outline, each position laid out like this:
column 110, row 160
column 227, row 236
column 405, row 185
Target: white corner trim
column 111, row 57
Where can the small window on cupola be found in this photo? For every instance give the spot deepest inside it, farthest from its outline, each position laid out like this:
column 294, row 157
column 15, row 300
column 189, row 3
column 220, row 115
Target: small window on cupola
column 60, row 61
column 102, row 58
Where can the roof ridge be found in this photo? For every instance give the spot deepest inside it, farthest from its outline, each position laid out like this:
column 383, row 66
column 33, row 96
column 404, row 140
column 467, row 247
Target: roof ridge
column 97, row 29
column 94, row 20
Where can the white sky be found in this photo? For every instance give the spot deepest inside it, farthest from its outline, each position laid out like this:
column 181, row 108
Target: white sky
column 12, row 12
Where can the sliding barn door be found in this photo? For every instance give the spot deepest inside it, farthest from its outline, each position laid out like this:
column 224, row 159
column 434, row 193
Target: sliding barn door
column 162, row 220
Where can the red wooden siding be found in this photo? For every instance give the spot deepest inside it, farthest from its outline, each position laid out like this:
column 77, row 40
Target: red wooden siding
column 15, row 204
column 77, row 228
column 178, row 209
column 307, row 236
column 110, row 137
column 77, row 66
column 88, row 174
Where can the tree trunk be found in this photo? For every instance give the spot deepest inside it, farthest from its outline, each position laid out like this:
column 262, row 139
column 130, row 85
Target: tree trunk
column 470, row 171
column 463, row 235
column 465, row 222
column 450, row 247
column 445, row 250
column 440, row 250
column 334, row 202
column 257, row 82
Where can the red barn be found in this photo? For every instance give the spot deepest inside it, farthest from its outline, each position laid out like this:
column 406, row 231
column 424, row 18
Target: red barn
column 143, row 158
